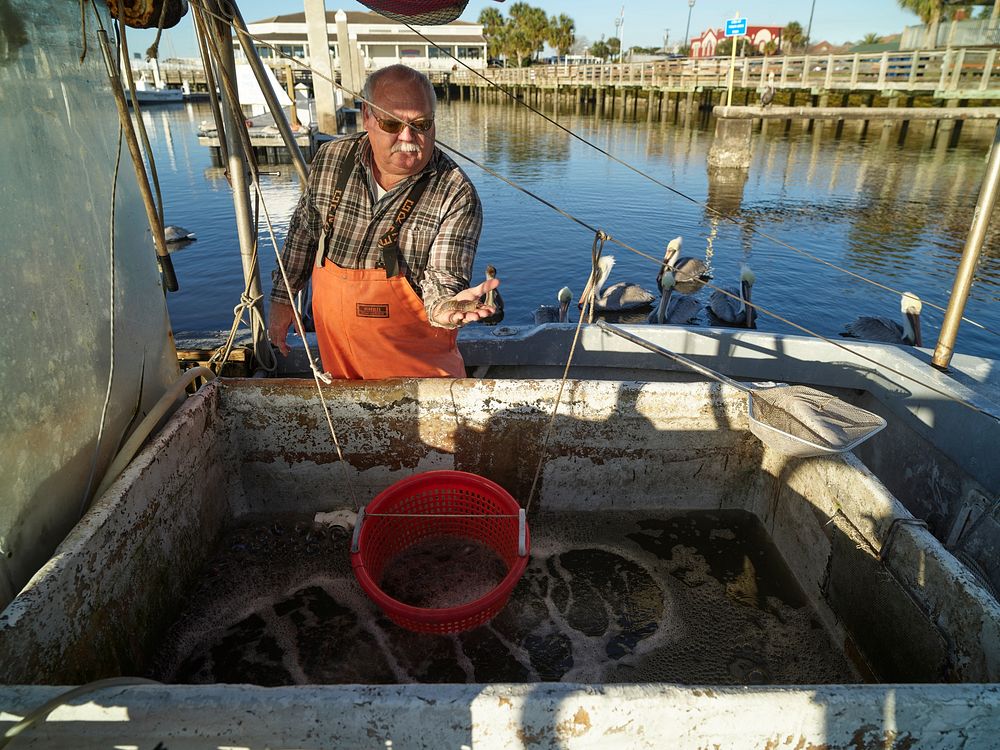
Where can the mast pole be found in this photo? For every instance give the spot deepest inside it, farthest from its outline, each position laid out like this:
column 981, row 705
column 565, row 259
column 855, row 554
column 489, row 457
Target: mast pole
column 237, row 168
column 970, row 258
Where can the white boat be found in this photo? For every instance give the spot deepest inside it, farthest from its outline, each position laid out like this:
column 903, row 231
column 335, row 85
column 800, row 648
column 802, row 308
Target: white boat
column 150, row 88
column 149, row 93
column 892, row 544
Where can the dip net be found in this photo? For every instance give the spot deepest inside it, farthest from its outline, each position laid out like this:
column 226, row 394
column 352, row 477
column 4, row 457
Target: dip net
column 423, row 12
column 440, row 552
column 794, row 420
column 800, row 421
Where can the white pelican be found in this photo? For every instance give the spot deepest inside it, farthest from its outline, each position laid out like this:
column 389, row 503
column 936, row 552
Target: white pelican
column 553, row 314
column 177, row 234
column 685, row 269
column 493, row 299
column 735, row 310
column 684, row 309
column 877, row 328
column 618, row 297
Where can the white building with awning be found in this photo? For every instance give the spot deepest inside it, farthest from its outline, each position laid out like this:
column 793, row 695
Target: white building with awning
column 381, row 41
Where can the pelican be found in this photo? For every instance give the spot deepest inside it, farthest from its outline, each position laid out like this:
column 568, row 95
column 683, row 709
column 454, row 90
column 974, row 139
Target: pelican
column 618, row 297
column 685, row 269
column 877, row 328
column 553, row 314
column 177, row 234
column 735, row 310
column 767, row 95
column 684, row 309
column 493, row 299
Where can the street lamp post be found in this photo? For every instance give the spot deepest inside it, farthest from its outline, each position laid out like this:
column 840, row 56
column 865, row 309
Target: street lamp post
column 620, row 33
column 809, row 28
column 687, row 29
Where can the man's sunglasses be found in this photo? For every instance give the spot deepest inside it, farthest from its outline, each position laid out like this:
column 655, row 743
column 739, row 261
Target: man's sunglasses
column 394, row 126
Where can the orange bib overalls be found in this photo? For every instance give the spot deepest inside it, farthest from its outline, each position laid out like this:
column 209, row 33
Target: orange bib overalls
column 370, row 323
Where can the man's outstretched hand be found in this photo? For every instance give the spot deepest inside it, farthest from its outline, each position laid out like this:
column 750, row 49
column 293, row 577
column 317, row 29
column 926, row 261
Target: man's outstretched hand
column 465, row 307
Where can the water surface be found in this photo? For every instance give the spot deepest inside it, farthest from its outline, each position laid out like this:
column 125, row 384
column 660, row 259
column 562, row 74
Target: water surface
column 894, row 214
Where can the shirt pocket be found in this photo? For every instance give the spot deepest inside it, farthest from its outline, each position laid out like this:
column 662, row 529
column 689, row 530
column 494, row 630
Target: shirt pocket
column 415, row 245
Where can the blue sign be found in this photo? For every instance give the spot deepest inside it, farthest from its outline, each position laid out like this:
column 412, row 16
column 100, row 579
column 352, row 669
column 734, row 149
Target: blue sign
column 736, row 27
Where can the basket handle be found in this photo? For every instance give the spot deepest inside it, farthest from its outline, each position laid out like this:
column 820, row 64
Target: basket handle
column 522, row 524
column 357, row 530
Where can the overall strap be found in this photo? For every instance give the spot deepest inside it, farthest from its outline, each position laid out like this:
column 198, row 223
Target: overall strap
column 343, row 175
column 389, row 242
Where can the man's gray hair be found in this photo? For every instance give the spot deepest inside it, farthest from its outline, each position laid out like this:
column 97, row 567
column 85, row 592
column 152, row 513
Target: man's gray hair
column 400, row 73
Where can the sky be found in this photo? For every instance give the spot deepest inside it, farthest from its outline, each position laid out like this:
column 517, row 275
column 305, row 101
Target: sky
column 644, row 21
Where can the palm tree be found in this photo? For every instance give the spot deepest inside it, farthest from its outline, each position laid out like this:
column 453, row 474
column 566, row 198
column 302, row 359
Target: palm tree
column 600, row 49
column 614, row 46
column 562, row 33
column 529, row 28
column 871, row 38
column 930, row 12
column 494, row 31
column 793, row 36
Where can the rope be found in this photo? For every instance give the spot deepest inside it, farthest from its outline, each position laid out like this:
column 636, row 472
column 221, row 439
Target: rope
column 599, row 238
column 140, row 124
column 319, row 377
column 85, row 500
column 154, row 49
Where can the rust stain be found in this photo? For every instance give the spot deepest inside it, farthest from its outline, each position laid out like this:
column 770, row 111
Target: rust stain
column 505, row 701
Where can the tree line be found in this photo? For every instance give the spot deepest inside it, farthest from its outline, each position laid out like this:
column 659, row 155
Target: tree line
column 521, row 37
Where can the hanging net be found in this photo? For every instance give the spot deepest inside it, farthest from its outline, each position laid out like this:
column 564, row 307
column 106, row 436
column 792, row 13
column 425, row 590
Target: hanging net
column 423, row 12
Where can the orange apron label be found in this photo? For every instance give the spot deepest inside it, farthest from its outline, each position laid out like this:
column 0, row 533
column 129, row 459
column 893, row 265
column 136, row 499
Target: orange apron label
column 372, row 311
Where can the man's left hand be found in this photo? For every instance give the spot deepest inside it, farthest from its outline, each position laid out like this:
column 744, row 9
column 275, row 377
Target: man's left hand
column 446, row 313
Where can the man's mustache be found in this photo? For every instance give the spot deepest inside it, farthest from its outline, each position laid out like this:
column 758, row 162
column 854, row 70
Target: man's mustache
column 405, row 148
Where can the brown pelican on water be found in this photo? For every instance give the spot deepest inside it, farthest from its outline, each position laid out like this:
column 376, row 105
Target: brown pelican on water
column 493, row 299
column 618, row 297
column 553, row 314
column 685, row 269
column 173, row 233
column 734, row 310
column 877, row 328
column 678, row 309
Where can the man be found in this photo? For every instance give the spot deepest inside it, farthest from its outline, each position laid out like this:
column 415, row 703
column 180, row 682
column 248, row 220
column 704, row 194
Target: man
column 387, row 229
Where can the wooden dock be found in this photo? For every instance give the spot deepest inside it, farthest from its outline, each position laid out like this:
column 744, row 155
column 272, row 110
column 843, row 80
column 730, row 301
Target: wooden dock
column 268, row 146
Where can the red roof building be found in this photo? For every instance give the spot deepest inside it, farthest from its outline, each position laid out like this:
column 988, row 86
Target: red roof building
column 757, row 37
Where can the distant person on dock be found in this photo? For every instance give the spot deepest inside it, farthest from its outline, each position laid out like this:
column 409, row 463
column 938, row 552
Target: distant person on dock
column 387, row 229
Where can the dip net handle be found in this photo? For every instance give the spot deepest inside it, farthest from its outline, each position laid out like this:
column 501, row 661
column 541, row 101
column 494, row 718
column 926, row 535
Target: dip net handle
column 718, row 376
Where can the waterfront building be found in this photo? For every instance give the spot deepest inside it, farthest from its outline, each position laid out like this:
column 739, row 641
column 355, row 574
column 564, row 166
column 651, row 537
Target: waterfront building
column 381, row 41
column 757, row 36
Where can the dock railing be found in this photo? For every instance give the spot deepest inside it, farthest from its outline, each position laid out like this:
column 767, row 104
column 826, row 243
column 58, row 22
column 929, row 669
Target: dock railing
column 955, row 73
column 944, row 73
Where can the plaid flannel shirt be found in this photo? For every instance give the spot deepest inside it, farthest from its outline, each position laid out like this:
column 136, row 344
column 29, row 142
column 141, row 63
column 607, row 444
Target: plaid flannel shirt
column 437, row 242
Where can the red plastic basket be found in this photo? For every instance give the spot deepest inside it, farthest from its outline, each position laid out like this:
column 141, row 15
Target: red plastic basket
column 486, row 514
